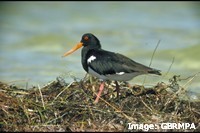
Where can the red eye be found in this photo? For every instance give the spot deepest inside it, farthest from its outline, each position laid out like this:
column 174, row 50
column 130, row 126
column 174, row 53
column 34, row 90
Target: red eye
column 86, row 38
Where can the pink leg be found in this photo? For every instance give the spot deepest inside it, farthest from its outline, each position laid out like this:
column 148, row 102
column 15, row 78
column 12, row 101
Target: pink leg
column 100, row 91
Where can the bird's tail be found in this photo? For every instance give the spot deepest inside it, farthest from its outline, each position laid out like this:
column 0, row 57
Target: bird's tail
column 154, row 71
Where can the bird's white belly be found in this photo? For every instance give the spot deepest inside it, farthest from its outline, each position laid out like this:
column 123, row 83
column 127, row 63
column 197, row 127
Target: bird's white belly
column 118, row 76
column 95, row 74
column 123, row 77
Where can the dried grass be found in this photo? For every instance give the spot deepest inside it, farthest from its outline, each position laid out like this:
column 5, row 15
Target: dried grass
column 59, row 106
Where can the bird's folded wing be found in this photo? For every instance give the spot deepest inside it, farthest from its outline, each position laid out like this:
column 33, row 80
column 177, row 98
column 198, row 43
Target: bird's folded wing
column 105, row 62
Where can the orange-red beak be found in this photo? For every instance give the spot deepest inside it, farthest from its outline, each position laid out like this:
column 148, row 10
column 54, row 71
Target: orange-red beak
column 73, row 49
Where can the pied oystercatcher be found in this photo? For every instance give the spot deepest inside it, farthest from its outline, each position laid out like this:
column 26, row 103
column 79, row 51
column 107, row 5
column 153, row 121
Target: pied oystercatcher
column 107, row 65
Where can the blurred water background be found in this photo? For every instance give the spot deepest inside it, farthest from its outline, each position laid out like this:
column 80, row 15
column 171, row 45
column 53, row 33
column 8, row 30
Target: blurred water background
column 34, row 36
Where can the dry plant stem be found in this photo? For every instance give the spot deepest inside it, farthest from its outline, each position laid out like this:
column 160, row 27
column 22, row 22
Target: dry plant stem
column 117, row 88
column 173, row 98
column 117, row 110
column 151, row 59
column 154, row 53
column 146, row 104
column 169, row 67
column 192, row 78
column 63, row 91
column 41, row 96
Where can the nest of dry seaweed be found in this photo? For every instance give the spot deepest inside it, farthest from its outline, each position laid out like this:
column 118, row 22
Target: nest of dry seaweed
column 59, row 106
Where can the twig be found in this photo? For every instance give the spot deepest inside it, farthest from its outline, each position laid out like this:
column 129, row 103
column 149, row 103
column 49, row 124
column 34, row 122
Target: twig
column 152, row 59
column 192, row 77
column 63, row 91
column 117, row 110
column 41, row 96
column 56, row 118
column 175, row 95
column 181, row 89
column 146, row 104
column 154, row 53
column 169, row 67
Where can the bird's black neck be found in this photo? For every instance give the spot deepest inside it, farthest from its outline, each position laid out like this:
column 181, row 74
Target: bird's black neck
column 84, row 54
column 84, row 58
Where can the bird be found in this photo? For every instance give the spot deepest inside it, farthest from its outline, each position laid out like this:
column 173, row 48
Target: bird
column 107, row 65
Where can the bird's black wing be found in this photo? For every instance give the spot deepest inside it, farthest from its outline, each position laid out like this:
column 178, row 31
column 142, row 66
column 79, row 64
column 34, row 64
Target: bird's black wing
column 106, row 62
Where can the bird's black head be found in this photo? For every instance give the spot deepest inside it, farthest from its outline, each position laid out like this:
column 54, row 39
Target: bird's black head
column 90, row 41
